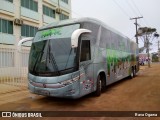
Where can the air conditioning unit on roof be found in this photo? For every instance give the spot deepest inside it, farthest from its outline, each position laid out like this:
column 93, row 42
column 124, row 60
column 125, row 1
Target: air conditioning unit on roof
column 18, row 22
column 58, row 10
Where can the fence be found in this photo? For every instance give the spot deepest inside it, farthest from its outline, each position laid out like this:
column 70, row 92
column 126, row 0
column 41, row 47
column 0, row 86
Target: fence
column 13, row 69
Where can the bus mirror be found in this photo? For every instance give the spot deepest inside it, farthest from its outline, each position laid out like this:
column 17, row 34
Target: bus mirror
column 75, row 36
column 23, row 41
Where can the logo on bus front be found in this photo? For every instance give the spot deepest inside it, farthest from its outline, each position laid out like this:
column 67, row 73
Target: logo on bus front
column 51, row 32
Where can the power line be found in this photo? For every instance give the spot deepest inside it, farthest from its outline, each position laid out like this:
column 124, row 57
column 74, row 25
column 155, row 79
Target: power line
column 76, row 13
column 121, row 8
column 132, row 8
column 135, row 12
column 139, row 12
column 136, row 7
column 142, row 22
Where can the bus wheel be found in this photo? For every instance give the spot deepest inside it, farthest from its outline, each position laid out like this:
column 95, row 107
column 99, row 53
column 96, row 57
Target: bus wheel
column 99, row 86
column 132, row 73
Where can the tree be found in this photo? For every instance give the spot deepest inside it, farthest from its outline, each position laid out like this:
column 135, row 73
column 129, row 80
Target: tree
column 147, row 33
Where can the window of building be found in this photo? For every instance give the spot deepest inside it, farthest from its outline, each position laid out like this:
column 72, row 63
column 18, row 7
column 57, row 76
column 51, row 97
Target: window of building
column 6, row 26
column 9, row 1
column 85, row 50
column 63, row 17
column 66, row 1
column 28, row 31
column 30, row 4
column 48, row 11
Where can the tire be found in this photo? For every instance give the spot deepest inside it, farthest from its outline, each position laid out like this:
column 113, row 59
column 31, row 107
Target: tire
column 99, row 86
column 132, row 73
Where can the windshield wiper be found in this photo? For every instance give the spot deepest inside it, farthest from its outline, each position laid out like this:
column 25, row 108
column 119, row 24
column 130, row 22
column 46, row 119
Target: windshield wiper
column 51, row 57
column 38, row 56
column 68, row 58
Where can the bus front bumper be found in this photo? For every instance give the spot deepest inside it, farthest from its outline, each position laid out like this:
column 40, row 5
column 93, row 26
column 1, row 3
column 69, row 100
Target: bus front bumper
column 68, row 91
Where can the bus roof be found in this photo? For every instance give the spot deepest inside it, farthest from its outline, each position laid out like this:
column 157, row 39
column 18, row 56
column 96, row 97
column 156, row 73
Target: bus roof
column 80, row 20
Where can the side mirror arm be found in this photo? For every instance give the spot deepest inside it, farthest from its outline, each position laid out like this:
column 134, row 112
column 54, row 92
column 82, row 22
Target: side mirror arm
column 23, row 41
column 75, row 36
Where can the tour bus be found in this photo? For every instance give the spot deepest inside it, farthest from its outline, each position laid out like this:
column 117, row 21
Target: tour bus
column 75, row 57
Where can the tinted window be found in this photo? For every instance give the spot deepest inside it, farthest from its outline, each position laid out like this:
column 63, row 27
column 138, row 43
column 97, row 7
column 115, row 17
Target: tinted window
column 6, row 26
column 48, row 11
column 30, row 4
column 63, row 17
column 85, row 50
column 28, row 31
column 53, row 33
column 66, row 1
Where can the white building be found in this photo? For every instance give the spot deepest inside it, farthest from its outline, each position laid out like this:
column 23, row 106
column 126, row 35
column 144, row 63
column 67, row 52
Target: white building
column 22, row 18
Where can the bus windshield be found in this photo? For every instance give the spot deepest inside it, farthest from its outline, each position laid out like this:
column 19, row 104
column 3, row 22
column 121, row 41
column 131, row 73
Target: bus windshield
column 51, row 53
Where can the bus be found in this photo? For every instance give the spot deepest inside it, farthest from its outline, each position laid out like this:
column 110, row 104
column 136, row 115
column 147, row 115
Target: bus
column 75, row 57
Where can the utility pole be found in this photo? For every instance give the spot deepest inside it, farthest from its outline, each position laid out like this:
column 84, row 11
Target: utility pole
column 136, row 18
column 147, row 40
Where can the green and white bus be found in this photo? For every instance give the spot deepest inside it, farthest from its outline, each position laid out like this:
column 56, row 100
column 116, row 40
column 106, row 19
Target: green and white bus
column 72, row 58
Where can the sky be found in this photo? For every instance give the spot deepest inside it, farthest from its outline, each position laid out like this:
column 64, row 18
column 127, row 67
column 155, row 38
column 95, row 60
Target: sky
column 117, row 14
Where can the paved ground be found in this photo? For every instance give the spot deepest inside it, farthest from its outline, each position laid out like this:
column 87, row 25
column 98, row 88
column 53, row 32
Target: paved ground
column 139, row 94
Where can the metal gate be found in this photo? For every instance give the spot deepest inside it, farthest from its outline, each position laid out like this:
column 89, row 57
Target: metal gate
column 13, row 69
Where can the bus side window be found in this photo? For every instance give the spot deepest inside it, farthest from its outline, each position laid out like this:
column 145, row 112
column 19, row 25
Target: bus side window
column 85, row 50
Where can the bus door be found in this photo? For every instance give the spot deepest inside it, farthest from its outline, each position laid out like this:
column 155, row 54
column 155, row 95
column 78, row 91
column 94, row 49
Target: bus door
column 86, row 84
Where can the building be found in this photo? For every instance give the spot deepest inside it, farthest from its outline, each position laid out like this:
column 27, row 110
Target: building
column 22, row 18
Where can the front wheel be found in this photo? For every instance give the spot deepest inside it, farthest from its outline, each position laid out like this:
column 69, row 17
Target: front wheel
column 99, row 86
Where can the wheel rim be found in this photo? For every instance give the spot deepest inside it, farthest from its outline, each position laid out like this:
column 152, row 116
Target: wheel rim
column 100, row 85
column 132, row 73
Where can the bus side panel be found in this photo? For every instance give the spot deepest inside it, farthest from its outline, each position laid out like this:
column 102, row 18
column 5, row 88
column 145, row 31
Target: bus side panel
column 100, row 64
column 87, row 85
column 134, row 56
column 99, row 61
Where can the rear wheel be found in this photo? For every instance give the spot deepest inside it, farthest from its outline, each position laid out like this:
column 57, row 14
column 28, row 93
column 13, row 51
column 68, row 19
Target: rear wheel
column 99, row 86
column 132, row 73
